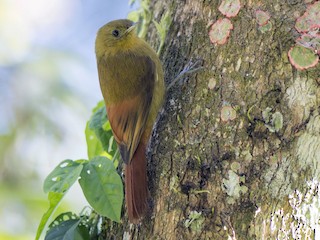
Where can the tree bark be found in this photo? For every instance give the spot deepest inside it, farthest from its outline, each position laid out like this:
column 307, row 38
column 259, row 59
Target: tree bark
column 217, row 168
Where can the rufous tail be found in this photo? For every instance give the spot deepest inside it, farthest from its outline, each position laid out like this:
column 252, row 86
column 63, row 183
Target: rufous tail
column 136, row 187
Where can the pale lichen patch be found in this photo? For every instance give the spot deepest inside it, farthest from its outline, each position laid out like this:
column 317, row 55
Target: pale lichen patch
column 212, row 83
column 301, row 97
column 308, row 147
column 227, row 113
column 238, row 64
column 232, row 186
column 277, row 181
column 306, row 205
column 273, row 122
column 235, row 166
column 246, row 156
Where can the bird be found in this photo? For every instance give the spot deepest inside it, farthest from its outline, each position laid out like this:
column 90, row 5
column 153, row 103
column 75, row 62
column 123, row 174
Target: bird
column 132, row 84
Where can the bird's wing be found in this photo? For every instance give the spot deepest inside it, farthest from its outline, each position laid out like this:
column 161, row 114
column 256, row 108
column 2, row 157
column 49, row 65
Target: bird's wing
column 128, row 117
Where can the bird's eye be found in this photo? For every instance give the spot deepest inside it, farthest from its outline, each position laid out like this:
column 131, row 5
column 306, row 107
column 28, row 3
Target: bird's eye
column 115, row 33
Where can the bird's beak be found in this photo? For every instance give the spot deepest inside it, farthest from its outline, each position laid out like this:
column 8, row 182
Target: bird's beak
column 131, row 28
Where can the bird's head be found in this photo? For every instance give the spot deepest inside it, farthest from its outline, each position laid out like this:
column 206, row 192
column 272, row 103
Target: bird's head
column 118, row 35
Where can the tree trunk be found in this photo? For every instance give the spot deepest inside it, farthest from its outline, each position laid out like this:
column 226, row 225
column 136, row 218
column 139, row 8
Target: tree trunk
column 236, row 151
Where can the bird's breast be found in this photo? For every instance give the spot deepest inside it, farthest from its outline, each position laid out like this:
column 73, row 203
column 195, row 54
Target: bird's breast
column 125, row 75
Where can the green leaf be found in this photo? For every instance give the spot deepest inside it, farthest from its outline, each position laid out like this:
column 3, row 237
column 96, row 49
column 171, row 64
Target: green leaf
column 102, row 187
column 62, row 177
column 54, row 200
column 68, row 230
column 145, row 18
column 99, row 135
column 94, row 146
column 63, row 228
column 162, row 28
column 133, row 16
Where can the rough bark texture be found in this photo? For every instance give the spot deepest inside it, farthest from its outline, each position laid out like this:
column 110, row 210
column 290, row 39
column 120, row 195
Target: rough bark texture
column 244, row 180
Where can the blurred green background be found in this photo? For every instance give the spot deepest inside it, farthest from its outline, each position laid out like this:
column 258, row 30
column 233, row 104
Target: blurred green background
column 48, row 86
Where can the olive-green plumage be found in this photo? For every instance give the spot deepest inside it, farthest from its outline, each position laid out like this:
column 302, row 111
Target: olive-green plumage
column 131, row 81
